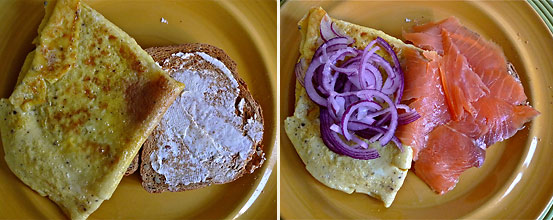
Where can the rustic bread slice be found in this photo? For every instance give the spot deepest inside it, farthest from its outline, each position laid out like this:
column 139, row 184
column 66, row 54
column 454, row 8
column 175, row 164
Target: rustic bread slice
column 212, row 133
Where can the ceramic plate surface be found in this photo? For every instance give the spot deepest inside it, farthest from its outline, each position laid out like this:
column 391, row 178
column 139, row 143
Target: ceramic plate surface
column 516, row 180
column 245, row 30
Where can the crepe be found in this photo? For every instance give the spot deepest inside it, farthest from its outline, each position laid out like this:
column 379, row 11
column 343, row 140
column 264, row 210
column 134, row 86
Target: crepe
column 380, row 178
column 86, row 100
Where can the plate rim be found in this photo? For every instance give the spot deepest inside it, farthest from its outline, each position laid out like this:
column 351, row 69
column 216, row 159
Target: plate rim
column 285, row 3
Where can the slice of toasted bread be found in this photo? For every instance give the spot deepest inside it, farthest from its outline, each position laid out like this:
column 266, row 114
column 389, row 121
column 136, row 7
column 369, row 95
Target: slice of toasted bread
column 212, row 133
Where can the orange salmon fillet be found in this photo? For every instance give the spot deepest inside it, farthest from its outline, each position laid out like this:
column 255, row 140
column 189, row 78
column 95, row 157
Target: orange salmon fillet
column 467, row 99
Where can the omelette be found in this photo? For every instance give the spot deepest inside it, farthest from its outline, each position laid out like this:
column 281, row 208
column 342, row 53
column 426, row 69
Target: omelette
column 380, row 178
column 86, row 99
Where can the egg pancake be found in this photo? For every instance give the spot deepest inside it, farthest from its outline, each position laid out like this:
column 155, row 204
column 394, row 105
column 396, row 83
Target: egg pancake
column 380, row 178
column 86, row 100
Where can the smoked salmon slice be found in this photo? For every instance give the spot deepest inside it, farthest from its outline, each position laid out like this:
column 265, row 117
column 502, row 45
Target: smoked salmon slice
column 426, row 95
column 428, row 36
column 461, row 85
column 448, row 154
column 467, row 97
column 460, row 145
column 484, row 57
column 501, row 118
column 489, row 62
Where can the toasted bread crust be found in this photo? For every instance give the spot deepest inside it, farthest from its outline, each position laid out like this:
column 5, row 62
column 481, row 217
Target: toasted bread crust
column 134, row 164
column 154, row 182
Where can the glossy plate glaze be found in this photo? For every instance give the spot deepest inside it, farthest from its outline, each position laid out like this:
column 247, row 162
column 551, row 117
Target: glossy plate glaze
column 245, row 30
column 516, row 180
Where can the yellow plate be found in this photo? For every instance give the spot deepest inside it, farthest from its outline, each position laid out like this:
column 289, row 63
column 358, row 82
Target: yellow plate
column 245, row 30
column 516, row 180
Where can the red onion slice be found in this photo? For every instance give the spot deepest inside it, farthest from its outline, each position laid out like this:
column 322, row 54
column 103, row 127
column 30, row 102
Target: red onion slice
column 371, row 133
column 328, row 30
column 358, row 126
column 328, row 82
column 367, row 53
column 408, row 117
column 347, row 114
column 335, row 143
column 332, row 45
column 393, row 112
column 397, row 66
column 358, row 92
column 325, row 29
column 336, row 31
column 298, row 70
column 309, row 86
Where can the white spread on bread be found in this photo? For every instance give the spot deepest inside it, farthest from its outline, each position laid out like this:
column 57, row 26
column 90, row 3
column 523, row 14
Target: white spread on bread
column 241, row 105
column 220, row 65
column 201, row 128
column 181, row 55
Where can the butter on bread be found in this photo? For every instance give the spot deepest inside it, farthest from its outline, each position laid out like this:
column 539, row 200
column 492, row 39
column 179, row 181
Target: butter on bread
column 380, row 178
column 212, row 133
column 86, row 100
